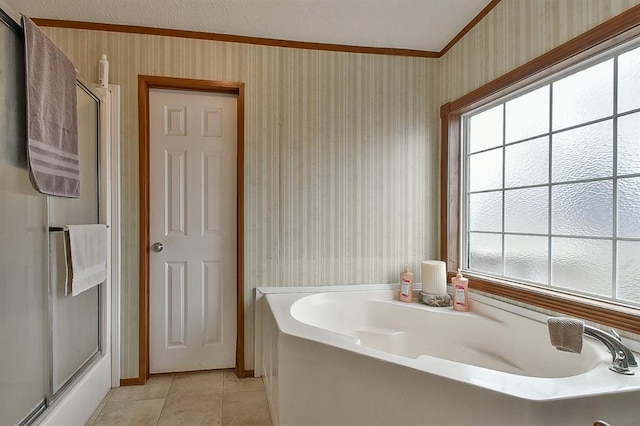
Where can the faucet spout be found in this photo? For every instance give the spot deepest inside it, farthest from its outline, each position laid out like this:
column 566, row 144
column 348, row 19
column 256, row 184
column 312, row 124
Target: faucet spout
column 622, row 357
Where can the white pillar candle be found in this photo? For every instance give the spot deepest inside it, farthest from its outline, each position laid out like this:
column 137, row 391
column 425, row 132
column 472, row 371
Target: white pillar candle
column 434, row 277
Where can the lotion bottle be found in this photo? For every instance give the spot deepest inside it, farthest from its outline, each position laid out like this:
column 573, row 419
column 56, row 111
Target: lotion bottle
column 406, row 285
column 460, row 292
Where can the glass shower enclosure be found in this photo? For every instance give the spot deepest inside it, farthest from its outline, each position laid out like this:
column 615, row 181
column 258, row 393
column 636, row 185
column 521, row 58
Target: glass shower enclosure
column 48, row 337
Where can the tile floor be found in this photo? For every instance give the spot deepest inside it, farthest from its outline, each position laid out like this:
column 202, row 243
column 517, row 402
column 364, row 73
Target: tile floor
column 200, row 398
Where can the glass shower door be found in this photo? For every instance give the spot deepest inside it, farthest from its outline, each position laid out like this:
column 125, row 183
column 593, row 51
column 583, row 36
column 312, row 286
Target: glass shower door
column 75, row 319
column 47, row 338
column 23, row 251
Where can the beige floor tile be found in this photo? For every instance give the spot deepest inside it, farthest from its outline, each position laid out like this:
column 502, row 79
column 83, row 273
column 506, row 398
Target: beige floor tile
column 245, row 409
column 191, row 399
column 156, row 387
column 191, row 410
column 233, row 384
column 130, row 413
column 198, row 383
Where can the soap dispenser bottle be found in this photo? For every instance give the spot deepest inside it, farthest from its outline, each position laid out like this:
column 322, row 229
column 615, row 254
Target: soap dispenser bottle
column 406, row 285
column 103, row 71
column 460, row 292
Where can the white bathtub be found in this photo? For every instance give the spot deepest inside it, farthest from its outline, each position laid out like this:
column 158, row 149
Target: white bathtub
column 363, row 358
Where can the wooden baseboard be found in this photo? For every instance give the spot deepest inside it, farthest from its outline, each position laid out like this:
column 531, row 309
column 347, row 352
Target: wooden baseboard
column 134, row 381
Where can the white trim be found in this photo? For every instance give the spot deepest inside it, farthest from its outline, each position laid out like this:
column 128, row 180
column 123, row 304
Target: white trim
column 257, row 333
column 79, row 402
column 258, row 303
column 111, row 190
column 116, row 243
column 523, row 310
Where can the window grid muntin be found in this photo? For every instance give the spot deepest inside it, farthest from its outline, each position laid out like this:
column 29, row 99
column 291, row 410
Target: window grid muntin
column 564, row 129
column 614, row 171
column 550, row 191
column 465, row 160
column 504, row 167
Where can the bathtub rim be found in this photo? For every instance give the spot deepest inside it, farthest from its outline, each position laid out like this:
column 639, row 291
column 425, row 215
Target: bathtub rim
column 523, row 387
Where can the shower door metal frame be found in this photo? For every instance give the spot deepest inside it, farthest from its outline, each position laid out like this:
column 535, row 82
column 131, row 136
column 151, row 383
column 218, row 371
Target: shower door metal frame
column 52, row 395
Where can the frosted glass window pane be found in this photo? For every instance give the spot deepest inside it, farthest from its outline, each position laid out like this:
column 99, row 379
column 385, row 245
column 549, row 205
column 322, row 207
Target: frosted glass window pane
column 629, row 80
column 485, row 170
column 582, row 265
column 584, row 96
column 583, row 153
column 526, row 258
column 628, row 287
column 582, row 209
column 629, row 144
column 527, row 210
column 485, row 129
column 629, row 208
column 485, row 211
column 485, row 252
column 527, row 163
column 528, row 115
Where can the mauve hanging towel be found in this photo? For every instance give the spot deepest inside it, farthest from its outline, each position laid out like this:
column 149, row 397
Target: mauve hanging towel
column 52, row 116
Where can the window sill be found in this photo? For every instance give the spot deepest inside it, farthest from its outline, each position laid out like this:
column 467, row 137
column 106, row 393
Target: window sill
column 610, row 314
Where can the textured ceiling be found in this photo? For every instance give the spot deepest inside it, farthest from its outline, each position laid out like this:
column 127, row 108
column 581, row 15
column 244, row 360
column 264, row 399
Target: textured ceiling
column 408, row 24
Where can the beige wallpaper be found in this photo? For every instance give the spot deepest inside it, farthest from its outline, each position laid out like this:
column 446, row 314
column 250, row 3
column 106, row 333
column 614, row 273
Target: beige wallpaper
column 341, row 172
column 515, row 32
column 341, row 160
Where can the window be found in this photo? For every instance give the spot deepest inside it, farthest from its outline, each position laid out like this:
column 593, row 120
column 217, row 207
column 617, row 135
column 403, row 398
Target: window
column 551, row 188
column 540, row 172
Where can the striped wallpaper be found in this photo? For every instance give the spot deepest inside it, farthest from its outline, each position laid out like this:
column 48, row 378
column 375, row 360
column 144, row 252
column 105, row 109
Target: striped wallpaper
column 341, row 168
column 515, row 32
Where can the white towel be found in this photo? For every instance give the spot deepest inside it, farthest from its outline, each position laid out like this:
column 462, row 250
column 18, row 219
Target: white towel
column 88, row 250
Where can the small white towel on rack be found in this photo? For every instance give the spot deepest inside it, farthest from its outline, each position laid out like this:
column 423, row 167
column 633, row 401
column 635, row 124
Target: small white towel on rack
column 88, row 250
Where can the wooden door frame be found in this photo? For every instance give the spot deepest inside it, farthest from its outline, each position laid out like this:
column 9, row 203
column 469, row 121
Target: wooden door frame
column 146, row 82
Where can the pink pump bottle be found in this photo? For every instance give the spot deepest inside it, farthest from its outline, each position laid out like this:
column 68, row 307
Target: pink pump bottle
column 460, row 292
column 406, row 285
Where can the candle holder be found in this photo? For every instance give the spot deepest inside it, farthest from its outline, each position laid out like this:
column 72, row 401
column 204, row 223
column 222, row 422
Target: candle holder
column 437, row 300
column 434, row 283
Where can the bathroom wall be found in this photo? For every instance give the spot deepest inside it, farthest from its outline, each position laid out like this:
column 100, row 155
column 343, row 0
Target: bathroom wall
column 341, row 172
column 515, row 32
column 341, row 167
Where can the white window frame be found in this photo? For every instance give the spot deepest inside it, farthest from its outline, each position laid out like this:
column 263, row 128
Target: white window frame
column 595, row 41
column 464, row 260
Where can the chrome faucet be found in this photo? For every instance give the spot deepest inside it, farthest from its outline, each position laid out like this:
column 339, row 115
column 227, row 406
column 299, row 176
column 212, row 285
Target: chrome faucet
column 622, row 357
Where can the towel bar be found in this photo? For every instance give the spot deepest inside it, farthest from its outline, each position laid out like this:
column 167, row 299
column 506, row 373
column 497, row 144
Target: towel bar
column 62, row 228
column 69, row 283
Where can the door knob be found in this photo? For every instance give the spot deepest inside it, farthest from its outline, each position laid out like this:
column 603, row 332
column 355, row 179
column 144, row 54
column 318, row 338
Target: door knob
column 157, row 247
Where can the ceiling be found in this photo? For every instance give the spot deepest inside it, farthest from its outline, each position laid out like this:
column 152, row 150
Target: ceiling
column 426, row 25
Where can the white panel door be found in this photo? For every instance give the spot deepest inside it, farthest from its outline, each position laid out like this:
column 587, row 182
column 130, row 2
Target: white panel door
column 192, row 230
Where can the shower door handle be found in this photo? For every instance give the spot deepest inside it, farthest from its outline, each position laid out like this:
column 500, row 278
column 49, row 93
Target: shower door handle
column 157, row 247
